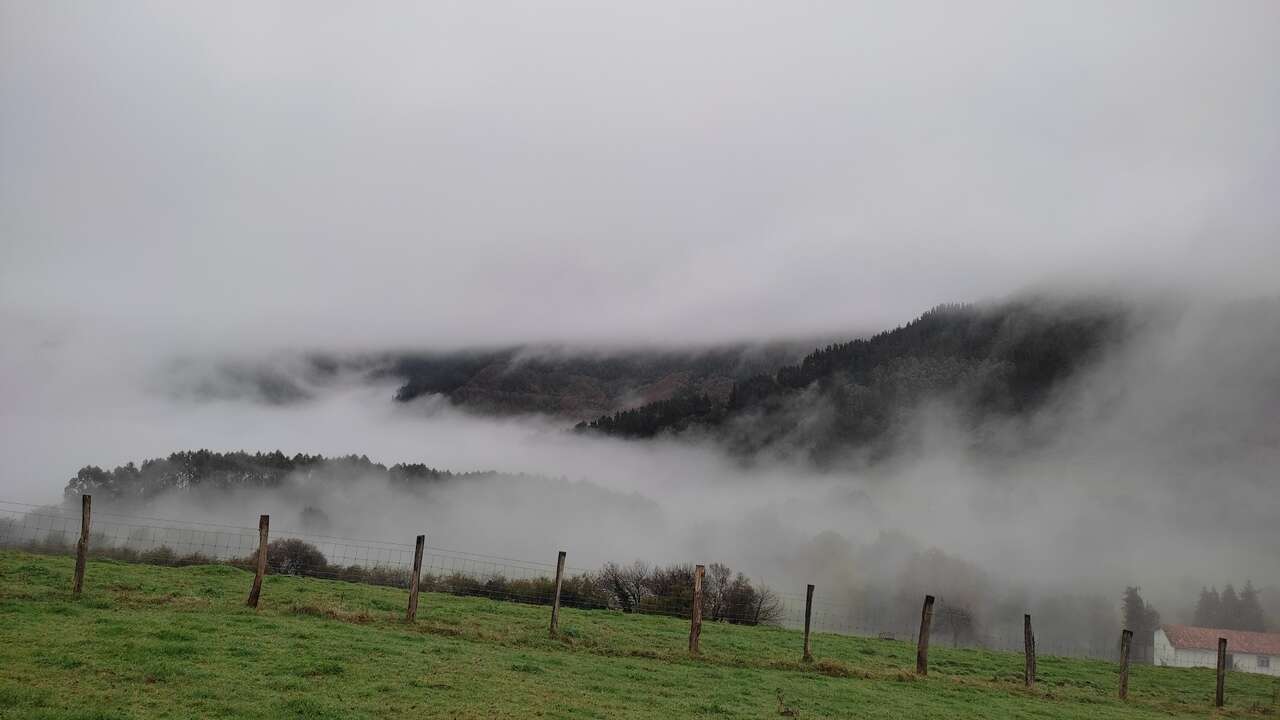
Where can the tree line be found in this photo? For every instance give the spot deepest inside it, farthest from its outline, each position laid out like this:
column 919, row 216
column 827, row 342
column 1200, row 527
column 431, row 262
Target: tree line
column 674, row 414
column 577, row 383
column 636, row 588
column 1229, row 610
column 191, row 469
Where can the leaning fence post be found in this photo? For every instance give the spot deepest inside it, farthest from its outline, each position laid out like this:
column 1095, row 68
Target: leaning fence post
column 82, row 546
column 922, row 646
column 412, row 613
column 1126, row 640
column 695, row 617
column 555, row 600
column 808, row 610
column 1222, row 671
column 1029, row 643
column 254, row 592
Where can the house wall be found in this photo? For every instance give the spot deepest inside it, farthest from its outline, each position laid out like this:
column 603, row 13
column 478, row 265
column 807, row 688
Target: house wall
column 1249, row 663
column 1163, row 653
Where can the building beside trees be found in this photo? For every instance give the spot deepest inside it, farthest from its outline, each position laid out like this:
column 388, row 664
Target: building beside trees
column 1188, row 646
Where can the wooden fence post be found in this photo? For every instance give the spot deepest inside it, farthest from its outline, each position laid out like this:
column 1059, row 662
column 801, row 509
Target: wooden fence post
column 82, row 546
column 1029, row 645
column 1222, row 672
column 412, row 613
column 695, row 617
column 808, row 610
column 922, row 645
column 1126, row 640
column 555, row 600
column 254, row 592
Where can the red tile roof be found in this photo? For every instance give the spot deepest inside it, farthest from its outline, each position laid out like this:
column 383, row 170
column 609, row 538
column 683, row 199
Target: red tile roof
column 1238, row 641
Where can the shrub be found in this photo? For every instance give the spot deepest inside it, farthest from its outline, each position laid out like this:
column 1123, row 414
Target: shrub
column 291, row 556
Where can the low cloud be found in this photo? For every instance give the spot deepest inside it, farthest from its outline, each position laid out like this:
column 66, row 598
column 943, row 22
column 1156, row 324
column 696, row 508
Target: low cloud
column 1152, row 468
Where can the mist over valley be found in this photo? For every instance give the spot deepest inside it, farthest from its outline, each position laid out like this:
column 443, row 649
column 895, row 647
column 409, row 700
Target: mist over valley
column 895, row 300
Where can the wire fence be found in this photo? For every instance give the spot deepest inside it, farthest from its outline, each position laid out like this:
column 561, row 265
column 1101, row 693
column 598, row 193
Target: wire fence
column 663, row 591
column 159, row 541
column 51, row 529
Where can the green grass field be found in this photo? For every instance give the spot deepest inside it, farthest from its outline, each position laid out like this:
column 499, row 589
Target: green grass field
column 158, row 642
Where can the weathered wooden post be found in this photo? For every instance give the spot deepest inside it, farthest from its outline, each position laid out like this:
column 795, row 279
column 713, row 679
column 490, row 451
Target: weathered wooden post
column 1029, row 645
column 82, row 546
column 695, row 616
column 412, row 613
column 1126, row 640
column 254, row 592
column 922, row 644
column 1222, row 672
column 808, row 610
column 555, row 600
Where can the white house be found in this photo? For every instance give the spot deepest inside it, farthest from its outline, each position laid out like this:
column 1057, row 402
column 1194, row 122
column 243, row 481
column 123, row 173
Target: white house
column 1186, row 646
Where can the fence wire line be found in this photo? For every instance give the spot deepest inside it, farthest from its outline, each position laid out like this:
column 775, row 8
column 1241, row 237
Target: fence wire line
column 383, row 563
column 172, row 542
column 287, row 532
column 52, row 531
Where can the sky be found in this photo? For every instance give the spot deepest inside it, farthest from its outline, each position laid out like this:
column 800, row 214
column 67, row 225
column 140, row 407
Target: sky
column 446, row 174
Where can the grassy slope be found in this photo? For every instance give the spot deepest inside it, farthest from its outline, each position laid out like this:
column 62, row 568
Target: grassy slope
column 153, row 642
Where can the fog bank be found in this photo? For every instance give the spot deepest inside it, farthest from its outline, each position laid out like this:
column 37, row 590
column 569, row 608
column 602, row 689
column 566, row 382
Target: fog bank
column 1153, row 468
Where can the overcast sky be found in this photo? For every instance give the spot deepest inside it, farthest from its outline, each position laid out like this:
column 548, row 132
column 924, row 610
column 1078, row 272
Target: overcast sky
column 203, row 179
column 449, row 173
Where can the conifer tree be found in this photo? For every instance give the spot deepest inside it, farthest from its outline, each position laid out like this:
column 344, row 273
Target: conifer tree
column 1229, row 614
column 1208, row 608
column 1140, row 617
column 1251, row 616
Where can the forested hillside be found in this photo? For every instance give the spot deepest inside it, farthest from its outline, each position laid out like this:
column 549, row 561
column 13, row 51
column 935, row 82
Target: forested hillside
column 983, row 361
column 195, row 469
column 573, row 383
column 581, row 383
column 1003, row 359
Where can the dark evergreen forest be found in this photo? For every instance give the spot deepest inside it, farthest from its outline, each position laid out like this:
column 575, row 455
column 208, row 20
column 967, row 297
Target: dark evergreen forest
column 985, row 361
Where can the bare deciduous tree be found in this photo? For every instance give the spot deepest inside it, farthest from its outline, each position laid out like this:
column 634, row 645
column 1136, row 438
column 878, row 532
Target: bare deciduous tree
column 627, row 586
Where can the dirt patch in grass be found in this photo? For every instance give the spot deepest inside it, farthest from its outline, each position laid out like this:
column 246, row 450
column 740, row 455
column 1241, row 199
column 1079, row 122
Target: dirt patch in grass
column 359, row 617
